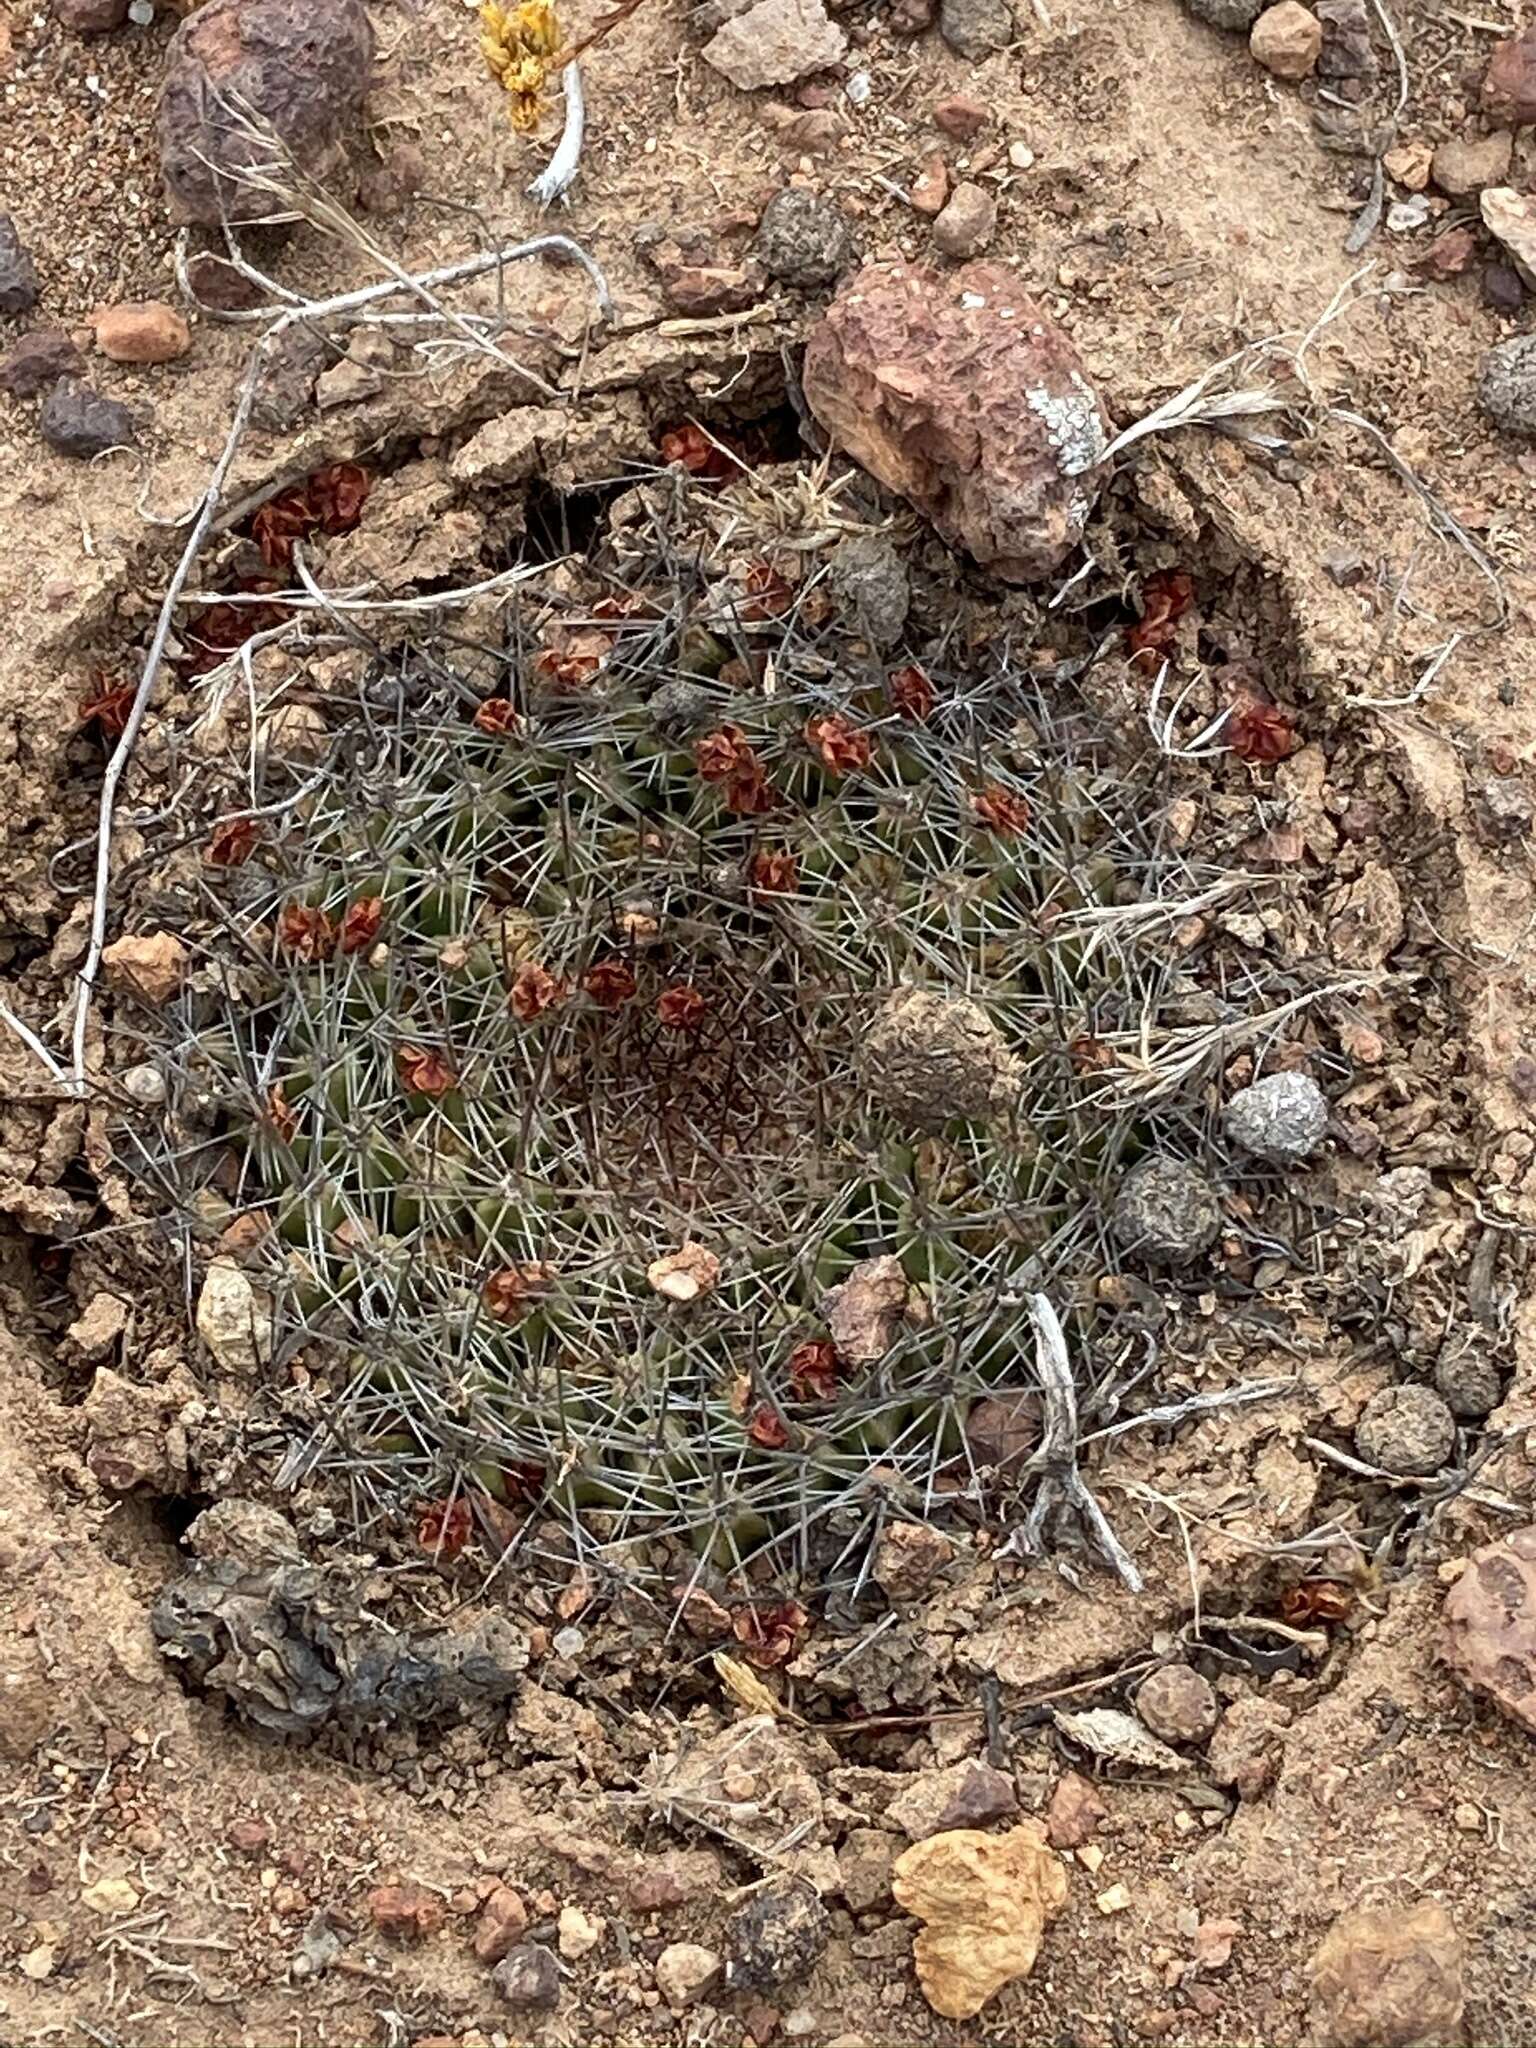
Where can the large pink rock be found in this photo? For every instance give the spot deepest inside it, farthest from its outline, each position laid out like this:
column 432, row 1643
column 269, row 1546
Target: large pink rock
column 1488, row 1630
column 959, row 391
column 1509, row 83
column 300, row 66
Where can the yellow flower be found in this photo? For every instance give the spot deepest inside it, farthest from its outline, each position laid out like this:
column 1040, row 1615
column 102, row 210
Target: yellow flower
column 517, row 45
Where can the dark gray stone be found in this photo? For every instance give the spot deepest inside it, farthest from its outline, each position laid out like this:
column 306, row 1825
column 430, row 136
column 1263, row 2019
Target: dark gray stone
column 528, row 1978
column 1166, row 1211
column 18, row 273
column 79, row 421
column 38, row 361
column 803, row 240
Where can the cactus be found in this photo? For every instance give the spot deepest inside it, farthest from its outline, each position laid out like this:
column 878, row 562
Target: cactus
column 540, row 988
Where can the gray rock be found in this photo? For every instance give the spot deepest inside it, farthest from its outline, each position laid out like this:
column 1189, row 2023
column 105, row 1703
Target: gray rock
column 803, row 240
column 301, row 66
column 1177, row 1704
column 869, row 580
column 18, row 273
column 1506, row 384
column 79, row 421
column 1507, row 810
column 1166, row 1211
column 1282, row 1118
column 776, row 1938
column 1239, row 15
column 1347, row 52
column 244, row 1529
column 967, row 223
column 1407, row 1430
column 91, row 17
column 679, row 708
column 975, row 28
column 528, row 1978
column 287, row 389
column 38, row 361
column 1469, row 1384
column 773, row 42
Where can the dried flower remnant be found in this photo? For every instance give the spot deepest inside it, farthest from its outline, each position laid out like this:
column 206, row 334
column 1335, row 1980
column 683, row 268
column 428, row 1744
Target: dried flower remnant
column 749, row 793
column 426, row 1073
column 510, row 1293
column 107, row 708
column 520, row 46
column 232, row 843
column 722, row 754
column 1324, row 1600
column 306, row 931
column 1166, row 596
column 443, row 1527
column 767, row 1428
column 769, row 1635
column 910, row 694
column 692, row 449
column 361, row 923
column 768, row 595
column 843, row 747
column 813, row 1370
column 774, row 872
column 1089, row 1055
column 1002, row 811
column 281, row 1114
column 534, row 990
column 1260, row 730
column 573, row 659
column 610, row 983
column 497, row 719
column 681, row 1007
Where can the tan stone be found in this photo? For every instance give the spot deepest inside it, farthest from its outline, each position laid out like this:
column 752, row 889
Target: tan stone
column 1287, row 40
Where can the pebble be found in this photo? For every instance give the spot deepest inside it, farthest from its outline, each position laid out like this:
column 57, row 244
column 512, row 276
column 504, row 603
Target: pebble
column 869, row 581
column 1488, row 1627
column 1282, row 1118
column 963, row 1795
column 1465, row 164
column 234, row 1318
column 528, row 1978
column 912, row 17
column 1509, row 83
column 960, row 116
column 111, row 1895
column 1502, row 287
column 1178, row 1704
column 909, row 1557
column 150, row 965
column 142, row 331
column 803, row 240
column 502, row 1924
column 774, row 43
column 930, row 188
column 405, row 1912
column 1506, row 384
column 776, row 1938
column 91, row 17
column 1076, row 1812
column 145, row 1085
column 18, row 273
column 78, row 421
column 1230, row 14
column 967, row 224
column 38, row 361
column 1469, row 1384
column 683, row 1971
column 1506, row 810
column 1406, row 1429
column 1347, row 53
column 1389, row 1976
column 1287, row 40
column 579, row 1932
column 1166, row 1211
column 975, row 28
column 1511, row 218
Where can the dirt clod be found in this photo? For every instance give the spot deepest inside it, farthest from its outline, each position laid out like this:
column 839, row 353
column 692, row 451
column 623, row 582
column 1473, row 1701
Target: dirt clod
column 142, row 331
column 929, row 1059
column 234, row 1317
column 963, row 1795
column 869, row 581
column 1407, row 1430
column 909, row 1557
column 1386, row 1977
column 864, row 1313
column 1076, row 1812
column 1282, row 1118
column 1464, row 164
column 153, row 965
column 1165, row 1211
column 803, row 239
column 1506, row 385
column 528, row 1978
column 1468, row 1383
column 1488, row 1629
column 406, row 1912
column 1177, row 1704
column 776, row 1938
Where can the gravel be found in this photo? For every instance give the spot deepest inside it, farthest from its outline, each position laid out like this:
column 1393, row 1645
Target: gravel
column 1408, row 1430
column 1282, row 1118
column 1166, row 1211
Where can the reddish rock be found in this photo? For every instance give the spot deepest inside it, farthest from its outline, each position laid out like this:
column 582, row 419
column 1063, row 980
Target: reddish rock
column 960, row 116
column 1075, row 1813
column 930, row 188
column 702, row 290
column 302, row 66
column 407, row 1912
column 1509, row 83
column 91, row 17
column 38, row 361
column 248, row 1835
column 959, row 392
column 966, row 226
column 503, row 1923
column 142, row 331
column 1245, row 1750
column 1389, row 1977
column 1488, row 1628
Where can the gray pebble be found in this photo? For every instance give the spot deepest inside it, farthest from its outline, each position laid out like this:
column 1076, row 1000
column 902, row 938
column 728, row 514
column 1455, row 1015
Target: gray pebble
column 528, row 1978
column 1282, row 1118
column 145, row 1085
column 975, row 28
column 869, row 579
column 776, row 1938
column 1166, row 1211
column 803, row 240
column 18, row 273
column 79, row 421
column 1508, row 812
column 1238, row 15
column 1469, row 1384
column 679, row 708
column 1506, row 384
column 38, row 361
column 1407, row 1430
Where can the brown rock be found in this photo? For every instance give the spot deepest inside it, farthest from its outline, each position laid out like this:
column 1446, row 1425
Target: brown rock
column 1002, row 1430
column 98, row 1327
column 38, row 361
column 1509, row 83
column 684, row 1971
column 1406, row 1429
column 31, row 1705
column 1465, row 164
column 864, row 1868
column 388, row 187
column 1245, row 1750
column 405, row 1912
column 775, row 42
column 1287, row 40
column 91, row 17
column 142, row 331
column 301, row 66
column 249, row 1836
column 1488, row 1628
column 960, row 116
column 151, row 965
column 969, row 221
column 809, row 134
column 911, row 17
column 864, row 1313
column 502, row 1924
column 1388, row 1977
column 135, row 1439
column 930, row 188
column 702, row 290
column 959, row 392
column 1177, row 1704
column 1076, row 1812
column 963, row 1795
column 909, row 1557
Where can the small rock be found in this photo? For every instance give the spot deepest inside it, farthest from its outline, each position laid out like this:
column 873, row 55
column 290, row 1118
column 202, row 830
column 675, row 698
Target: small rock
column 360, row 374
column 1503, row 288
column 18, row 273
column 684, row 1275
column 775, row 42
column 812, row 133
column 909, row 1557
column 803, row 240
column 1511, row 217
column 865, row 1313
column 1230, row 14
column 702, row 290
column 911, row 17
column 864, row 1868
column 1177, row 1704
column 1076, row 1812
column 1465, row 164
column 1407, row 1430
column 1410, row 164
column 1283, row 1118
column 868, row 579
column 145, row 1085
column 528, row 1979
column 963, row 1795
column 387, row 188
column 1347, row 52
column 960, row 116
column 1505, row 808
column 969, row 221
column 1468, row 1383
column 1245, row 1750
column 1287, row 40
column 579, row 1932
column 142, row 331
column 287, row 389
column 930, row 188
column 1389, row 1977
column 301, row 67
column 249, row 1835
column 502, row 1924
column 405, row 1912
column 1117, row 1738
column 111, row 1896
column 91, row 17
column 79, row 421
column 1002, row 1430
column 38, row 361
column 1509, row 83
column 1115, row 1899
column 684, row 1971
column 930, row 1060
column 975, row 28
column 247, row 1531
column 135, row 1439
column 1165, row 1211
column 234, row 1317
column 1488, row 1626
column 776, row 1938
column 39, row 1963
column 98, row 1327
column 152, row 965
